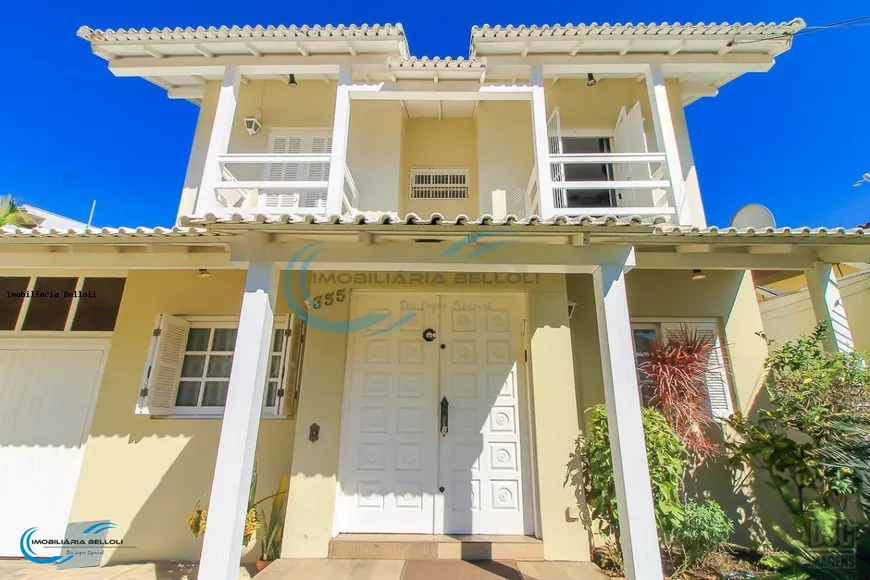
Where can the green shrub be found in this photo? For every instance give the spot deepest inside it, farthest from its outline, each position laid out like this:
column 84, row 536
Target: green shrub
column 591, row 470
column 703, row 529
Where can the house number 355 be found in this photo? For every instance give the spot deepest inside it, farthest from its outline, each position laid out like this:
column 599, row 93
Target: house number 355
column 327, row 299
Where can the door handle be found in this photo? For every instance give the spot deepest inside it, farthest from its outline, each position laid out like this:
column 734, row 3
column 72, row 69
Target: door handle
column 444, row 416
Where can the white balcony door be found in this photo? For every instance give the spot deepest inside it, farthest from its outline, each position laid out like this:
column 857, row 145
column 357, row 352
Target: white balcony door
column 629, row 137
column 289, row 142
column 398, row 473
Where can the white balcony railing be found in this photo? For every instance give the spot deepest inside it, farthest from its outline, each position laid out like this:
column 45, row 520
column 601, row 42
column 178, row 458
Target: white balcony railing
column 292, row 183
column 638, row 186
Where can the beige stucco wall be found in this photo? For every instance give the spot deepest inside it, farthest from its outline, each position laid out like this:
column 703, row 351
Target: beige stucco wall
column 786, row 317
column 311, row 508
column 505, row 156
column 374, row 152
column 146, row 475
column 440, row 143
column 727, row 296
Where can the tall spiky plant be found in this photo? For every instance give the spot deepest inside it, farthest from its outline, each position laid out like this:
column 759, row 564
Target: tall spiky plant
column 674, row 374
column 273, row 526
column 11, row 214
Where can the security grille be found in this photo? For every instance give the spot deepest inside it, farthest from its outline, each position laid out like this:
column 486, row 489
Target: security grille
column 439, row 183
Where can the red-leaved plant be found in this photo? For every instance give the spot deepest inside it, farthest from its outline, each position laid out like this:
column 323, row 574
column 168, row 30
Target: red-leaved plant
column 673, row 377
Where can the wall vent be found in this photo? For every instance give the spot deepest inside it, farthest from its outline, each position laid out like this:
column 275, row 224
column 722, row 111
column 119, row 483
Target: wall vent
column 439, row 183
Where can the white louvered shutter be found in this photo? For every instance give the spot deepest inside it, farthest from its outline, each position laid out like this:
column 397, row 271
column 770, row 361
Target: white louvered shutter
column 718, row 387
column 316, row 198
column 288, row 400
column 629, row 137
column 284, row 198
column 164, row 366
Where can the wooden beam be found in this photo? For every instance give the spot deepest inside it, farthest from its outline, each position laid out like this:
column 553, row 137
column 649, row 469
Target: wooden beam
column 699, row 90
column 768, row 249
column 578, row 240
column 150, row 50
column 250, row 65
column 115, row 261
column 636, row 63
column 203, row 51
column 188, row 92
column 252, row 49
column 695, row 249
column 721, row 261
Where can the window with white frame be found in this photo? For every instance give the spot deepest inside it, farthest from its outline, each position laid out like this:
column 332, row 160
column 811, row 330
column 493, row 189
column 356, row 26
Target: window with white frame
column 647, row 333
column 190, row 360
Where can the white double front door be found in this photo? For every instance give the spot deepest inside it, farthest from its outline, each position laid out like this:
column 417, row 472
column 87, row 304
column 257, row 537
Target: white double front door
column 434, row 417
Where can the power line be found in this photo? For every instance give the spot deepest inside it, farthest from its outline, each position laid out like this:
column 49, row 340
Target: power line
column 857, row 21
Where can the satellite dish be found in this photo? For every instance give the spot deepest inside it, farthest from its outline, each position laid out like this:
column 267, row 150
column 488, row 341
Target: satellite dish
column 753, row 215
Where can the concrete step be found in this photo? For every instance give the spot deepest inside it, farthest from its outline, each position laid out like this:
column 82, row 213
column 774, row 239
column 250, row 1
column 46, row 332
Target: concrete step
column 425, row 547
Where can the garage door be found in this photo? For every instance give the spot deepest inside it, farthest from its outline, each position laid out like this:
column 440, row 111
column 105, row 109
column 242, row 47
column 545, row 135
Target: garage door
column 46, row 401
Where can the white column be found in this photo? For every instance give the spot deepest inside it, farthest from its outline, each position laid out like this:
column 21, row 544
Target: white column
column 219, row 141
column 228, row 502
column 340, row 129
column 828, row 305
column 639, row 537
column 666, row 139
column 541, row 141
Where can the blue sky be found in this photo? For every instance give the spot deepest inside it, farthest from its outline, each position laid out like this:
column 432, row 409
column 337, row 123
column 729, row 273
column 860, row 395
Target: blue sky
column 794, row 139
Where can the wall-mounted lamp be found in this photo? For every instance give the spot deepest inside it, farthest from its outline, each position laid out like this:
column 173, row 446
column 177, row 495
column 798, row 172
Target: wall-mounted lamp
column 291, row 80
column 203, row 273
column 253, row 124
column 698, row 275
column 590, row 80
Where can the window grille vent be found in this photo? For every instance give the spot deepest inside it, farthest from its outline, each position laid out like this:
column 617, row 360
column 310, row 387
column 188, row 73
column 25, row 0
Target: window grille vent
column 439, row 183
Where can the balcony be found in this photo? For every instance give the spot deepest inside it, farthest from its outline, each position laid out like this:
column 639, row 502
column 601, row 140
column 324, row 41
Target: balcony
column 637, row 185
column 396, row 146
column 292, row 183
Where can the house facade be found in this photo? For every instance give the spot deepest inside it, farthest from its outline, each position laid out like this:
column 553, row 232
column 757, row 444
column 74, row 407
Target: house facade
column 400, row 280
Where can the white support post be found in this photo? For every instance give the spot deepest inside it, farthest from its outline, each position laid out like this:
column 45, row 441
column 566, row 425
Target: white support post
column 340, row 128
column 828, row 305
column 666, row 139
column 228, row 502
column 541, row 141
column 639, row 536
column 219, row 142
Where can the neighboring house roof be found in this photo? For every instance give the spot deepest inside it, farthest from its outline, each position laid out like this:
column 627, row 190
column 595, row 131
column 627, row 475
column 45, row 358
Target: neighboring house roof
column 45, row 219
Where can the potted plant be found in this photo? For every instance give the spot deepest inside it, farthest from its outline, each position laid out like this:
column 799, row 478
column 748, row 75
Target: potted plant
column 198, row 519
column 273, row 526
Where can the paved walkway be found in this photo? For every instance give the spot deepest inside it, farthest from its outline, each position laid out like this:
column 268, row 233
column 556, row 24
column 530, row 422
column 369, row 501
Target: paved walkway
column 323, row 570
